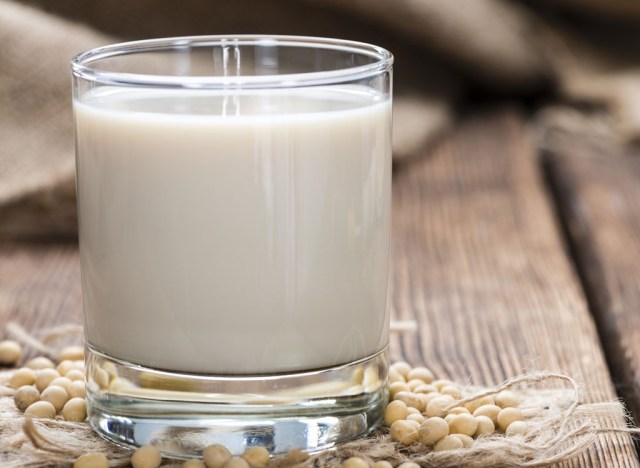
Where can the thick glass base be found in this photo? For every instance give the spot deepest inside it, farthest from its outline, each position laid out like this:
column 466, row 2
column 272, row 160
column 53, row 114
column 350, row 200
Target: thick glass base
column 183, row 413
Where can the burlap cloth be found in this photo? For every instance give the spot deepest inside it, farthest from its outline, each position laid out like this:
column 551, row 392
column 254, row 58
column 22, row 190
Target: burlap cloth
column 572, row 52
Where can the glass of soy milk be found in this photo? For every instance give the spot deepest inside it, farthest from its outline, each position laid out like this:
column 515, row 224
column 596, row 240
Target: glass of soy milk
column 234, row 212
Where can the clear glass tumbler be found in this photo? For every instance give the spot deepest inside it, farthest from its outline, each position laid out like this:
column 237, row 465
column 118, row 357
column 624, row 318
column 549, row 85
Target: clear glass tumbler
column 234, row 211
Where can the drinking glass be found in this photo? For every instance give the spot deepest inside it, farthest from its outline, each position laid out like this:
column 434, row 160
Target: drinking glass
column 234, row 211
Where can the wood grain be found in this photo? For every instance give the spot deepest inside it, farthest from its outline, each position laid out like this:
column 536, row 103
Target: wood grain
column 479, row 262
column 39, row 284
column 599, row 198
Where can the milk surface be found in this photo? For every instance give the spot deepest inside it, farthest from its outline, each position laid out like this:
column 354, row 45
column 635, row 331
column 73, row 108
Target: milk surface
column 232, row 234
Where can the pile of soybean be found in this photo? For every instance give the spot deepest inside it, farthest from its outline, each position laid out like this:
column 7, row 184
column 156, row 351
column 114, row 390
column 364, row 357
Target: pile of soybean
column 421, row 410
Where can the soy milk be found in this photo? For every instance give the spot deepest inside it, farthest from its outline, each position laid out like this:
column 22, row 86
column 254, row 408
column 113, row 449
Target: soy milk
column 234, row 233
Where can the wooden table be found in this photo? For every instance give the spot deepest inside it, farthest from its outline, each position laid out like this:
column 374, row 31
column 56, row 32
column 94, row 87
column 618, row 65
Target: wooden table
column 502, row 274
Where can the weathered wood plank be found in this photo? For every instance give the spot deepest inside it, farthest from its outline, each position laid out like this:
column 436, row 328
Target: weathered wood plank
column 599, row 198
column 39, row 284
column 479, row 262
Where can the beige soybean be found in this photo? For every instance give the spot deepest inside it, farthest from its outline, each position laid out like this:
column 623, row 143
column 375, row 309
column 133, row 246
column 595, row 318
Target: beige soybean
column 507, row 399
column 120, row 384
column 463, row 424
column 64, row 367
column 91, row 460
column 395, row 411
column 420, row 373
column 78, row 365
column 437, row 406
column 61, row 382
column 415, row 417
column 517, row 428
column 402, row 368
column 10, row 352
column 430, row 396
column 355, row 462
column 71, row 353
column 55, row 395
column 451, row 390
column 404, row 432
column 425, row 401
column 475, row 404
column 485, row 426
column 449, row 442
column 432, row 430
column 382, row 464
column 414, row 383
column 75, row 374
column 397, row 387
column 411, row 399
column 408, row 465
column 412, row 410
column 490, row 411
column 216, row 455
column 101, row 377
column 77, row 389
column 357, row 375
column 459, row 410
column 440, row 383
column 44, row 377
column 415, row 424
column 296, row 456
column 193, row 464
column 257, row 457
column 371, row 379
column 146, row 456
column 467, row 441
column 425, row 388
column 111, row 369
column 39, row 363
column 508, row 416
column 25, row 396
column 236, row 462
column 41, row 410
column 449, row 417
column 21, row 377
column 395, row 376
column 75, row 410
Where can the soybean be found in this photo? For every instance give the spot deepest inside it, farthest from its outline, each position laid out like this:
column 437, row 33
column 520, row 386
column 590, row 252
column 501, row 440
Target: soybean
column 25, row 396
column 55, row 395
column 215, row 456
column 39, row 363
column 257, row 457
column 355, row 462
column 41, row 410
column 404, row 432
column 449, row 442
column 395, row 411
column 508, row 416
column 21, row 377
column 432, row 430
column 10, row 352
column 91, row 460
column 75, row 410
column 146, row 456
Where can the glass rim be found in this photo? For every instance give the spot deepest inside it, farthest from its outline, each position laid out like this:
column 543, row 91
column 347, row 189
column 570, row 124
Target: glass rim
column 81, row 63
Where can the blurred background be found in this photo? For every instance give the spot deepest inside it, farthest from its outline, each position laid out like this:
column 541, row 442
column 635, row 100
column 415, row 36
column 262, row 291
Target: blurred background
column 573, row 66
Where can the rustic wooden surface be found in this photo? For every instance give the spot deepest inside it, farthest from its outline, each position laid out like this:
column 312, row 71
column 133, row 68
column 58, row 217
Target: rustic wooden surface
column 599, row 198
column 478, row 261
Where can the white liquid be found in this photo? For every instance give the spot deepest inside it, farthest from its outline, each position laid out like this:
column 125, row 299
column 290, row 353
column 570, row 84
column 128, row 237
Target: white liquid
column 227, row 234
